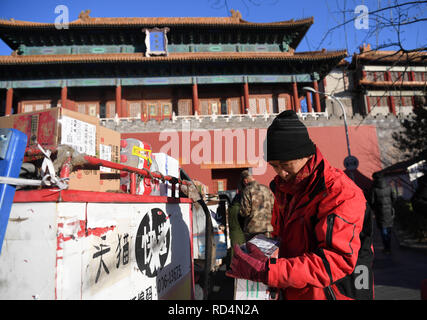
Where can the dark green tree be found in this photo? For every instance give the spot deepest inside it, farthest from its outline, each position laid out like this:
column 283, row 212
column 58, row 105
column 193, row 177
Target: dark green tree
column 412, row 140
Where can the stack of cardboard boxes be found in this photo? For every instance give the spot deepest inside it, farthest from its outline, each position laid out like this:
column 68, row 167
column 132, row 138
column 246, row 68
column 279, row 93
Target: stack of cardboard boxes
column 56, row 126
column 82, row 132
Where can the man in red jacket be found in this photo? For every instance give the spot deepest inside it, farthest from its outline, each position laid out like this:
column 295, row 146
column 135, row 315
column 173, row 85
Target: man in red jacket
column 321, row 219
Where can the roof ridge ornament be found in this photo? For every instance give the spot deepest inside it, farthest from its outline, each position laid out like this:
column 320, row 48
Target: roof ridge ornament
column 235, row 14
column 84, row 15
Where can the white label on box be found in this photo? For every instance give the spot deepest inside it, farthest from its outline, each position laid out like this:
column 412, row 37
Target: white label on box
column 79, row 134
column 105, row 154
column 250, row 290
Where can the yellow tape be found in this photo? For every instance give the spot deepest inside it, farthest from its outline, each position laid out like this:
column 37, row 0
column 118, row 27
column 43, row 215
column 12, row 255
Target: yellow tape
column 142, row 153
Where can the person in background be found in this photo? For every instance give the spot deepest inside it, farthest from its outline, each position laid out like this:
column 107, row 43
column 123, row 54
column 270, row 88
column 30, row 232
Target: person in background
column 320, row 217
column 382, row 200
column 234, row 223
column 256, row 207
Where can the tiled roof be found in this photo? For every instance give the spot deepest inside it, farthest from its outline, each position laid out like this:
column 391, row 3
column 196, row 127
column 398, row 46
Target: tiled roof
column 392, row 56
column 160, row 21
column 172, row 57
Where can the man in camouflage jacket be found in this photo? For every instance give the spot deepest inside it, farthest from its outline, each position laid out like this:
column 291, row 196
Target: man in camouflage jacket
column 256, row 206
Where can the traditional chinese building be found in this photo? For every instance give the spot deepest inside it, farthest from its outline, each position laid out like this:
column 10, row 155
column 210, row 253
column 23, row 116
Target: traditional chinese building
column 203, row 90
column 388, row 82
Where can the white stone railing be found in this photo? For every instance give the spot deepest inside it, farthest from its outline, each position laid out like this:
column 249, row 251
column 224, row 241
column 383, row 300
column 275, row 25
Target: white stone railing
column 224, row 117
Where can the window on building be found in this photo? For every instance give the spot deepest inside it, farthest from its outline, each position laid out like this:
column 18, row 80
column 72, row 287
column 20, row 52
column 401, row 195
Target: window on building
column 157, row 109
column 110, row 109
column 209, row 106
column 398, row 101
column 405, row 75
column 31, row 106
column 419, row 76
column 185, row 107
column 92, row 109
column 406, row 101
column 283, row 102
column 167, row 110
column 152, row 109
column 89, row 108
column 233, row 105
column 370, row 75
column 134, row 109
column 380, row 76
column 260, row 104
column 383, row 101
column 395, row 76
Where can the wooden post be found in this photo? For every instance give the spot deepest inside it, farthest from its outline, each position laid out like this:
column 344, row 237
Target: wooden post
column 246, row 95
column 316, row 96
column 119, row 101
column 297, row 105
column 9, row 101
column 308, row 97
column 64, row 92
column 195, row 99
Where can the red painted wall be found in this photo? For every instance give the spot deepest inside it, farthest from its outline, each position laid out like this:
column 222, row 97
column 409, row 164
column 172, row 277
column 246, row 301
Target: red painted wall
column 199, row 148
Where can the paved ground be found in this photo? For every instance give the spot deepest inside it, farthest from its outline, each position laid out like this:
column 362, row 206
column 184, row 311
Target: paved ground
column 397, row 276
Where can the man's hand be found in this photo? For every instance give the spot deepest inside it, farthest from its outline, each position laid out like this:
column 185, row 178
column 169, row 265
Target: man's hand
column 252, row 265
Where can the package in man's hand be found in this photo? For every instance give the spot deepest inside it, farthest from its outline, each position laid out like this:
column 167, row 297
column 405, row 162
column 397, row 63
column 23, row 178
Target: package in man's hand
column 251, row 290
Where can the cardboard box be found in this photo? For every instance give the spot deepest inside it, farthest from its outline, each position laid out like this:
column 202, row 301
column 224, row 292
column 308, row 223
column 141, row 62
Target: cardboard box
column 56, row 126
column 108, row 142
column 250, row 290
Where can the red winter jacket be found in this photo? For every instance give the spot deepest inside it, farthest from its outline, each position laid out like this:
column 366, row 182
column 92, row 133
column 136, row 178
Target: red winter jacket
column 326, row 237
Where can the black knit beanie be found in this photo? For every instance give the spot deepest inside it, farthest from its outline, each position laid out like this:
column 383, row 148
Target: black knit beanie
column 287, row 138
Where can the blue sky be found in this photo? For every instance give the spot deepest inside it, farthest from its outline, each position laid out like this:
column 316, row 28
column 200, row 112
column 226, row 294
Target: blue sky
column 327, row 15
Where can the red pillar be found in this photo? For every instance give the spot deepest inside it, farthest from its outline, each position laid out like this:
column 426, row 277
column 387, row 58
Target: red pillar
column 119, row 101
column 9, row 101
column 296, row 98
column 64, row 92
column 388, row 73
column 392, row 105
column 308, row 97
column 368, row 104
column 316, row 96
column 195, row 99
column 246, row 93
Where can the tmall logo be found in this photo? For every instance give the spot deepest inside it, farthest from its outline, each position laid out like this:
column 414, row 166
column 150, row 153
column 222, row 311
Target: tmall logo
column 153, row 242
